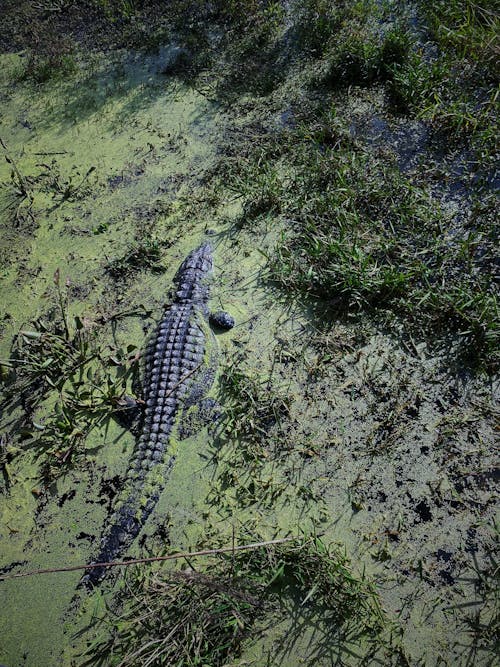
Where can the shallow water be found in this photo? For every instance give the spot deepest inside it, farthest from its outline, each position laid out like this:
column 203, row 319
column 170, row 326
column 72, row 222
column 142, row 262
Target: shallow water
column 146, row 140
column 119, row 151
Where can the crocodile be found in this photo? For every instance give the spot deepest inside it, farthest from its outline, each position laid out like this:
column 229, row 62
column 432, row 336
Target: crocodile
column 178, row 372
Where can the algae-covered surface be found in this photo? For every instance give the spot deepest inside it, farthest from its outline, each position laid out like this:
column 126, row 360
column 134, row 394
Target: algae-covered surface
column 351, row 411
column 143, row 139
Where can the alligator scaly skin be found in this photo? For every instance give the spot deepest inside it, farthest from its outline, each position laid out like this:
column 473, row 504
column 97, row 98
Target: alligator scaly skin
column 174, row 360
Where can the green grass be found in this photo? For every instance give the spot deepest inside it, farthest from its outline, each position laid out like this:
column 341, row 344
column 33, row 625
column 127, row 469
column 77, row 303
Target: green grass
column 50, row 56
column 252, row 440
column 362, row 58
column 456, row 87
column 315, row 23
column 203, row 616
column 252, row 406
column 360, row 236
column 467, row 29
column 68, row 381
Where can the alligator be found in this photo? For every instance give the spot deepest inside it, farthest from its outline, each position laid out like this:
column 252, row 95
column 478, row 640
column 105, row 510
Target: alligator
column 178, row 371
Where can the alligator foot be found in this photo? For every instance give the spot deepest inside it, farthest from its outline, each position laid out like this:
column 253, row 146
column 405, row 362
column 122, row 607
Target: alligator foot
column 205, row 412
column 129, row 414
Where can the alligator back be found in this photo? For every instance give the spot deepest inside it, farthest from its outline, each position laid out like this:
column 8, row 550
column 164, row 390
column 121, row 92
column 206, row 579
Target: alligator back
column 174, row 358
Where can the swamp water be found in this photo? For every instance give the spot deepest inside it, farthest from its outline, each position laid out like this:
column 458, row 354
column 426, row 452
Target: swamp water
column 117, row 155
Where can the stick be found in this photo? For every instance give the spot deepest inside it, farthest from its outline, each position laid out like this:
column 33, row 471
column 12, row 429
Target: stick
column 52, row 153
column 152, row 559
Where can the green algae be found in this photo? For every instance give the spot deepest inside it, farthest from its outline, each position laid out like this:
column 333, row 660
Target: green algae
column 138, row 139
column 68, row 226
column 74, row 230
column 354, row 458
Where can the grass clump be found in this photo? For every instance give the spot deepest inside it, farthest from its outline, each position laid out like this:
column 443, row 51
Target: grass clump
column 67, row 382
column 323, row 575
column 362, row 58
column 144, row 254
column 354, row 42
column 203, row 617
column 43, row 67
column 51, row 55
column 358, row 235
column 251, row 440
column 90, row 395
column 452, row 100
column 468, row 29
column 453, row 81
column 236, row 43
column 118, row 9
column 252, row 406
column 16, row 194
column 315, row 23
column 187, row 619
column 251, row 48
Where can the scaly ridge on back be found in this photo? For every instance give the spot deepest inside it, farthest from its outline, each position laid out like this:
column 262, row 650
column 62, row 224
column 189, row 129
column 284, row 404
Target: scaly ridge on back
column 173, row 357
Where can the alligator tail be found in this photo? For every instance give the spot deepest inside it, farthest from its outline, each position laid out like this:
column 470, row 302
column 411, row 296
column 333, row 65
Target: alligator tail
column 127, row 522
